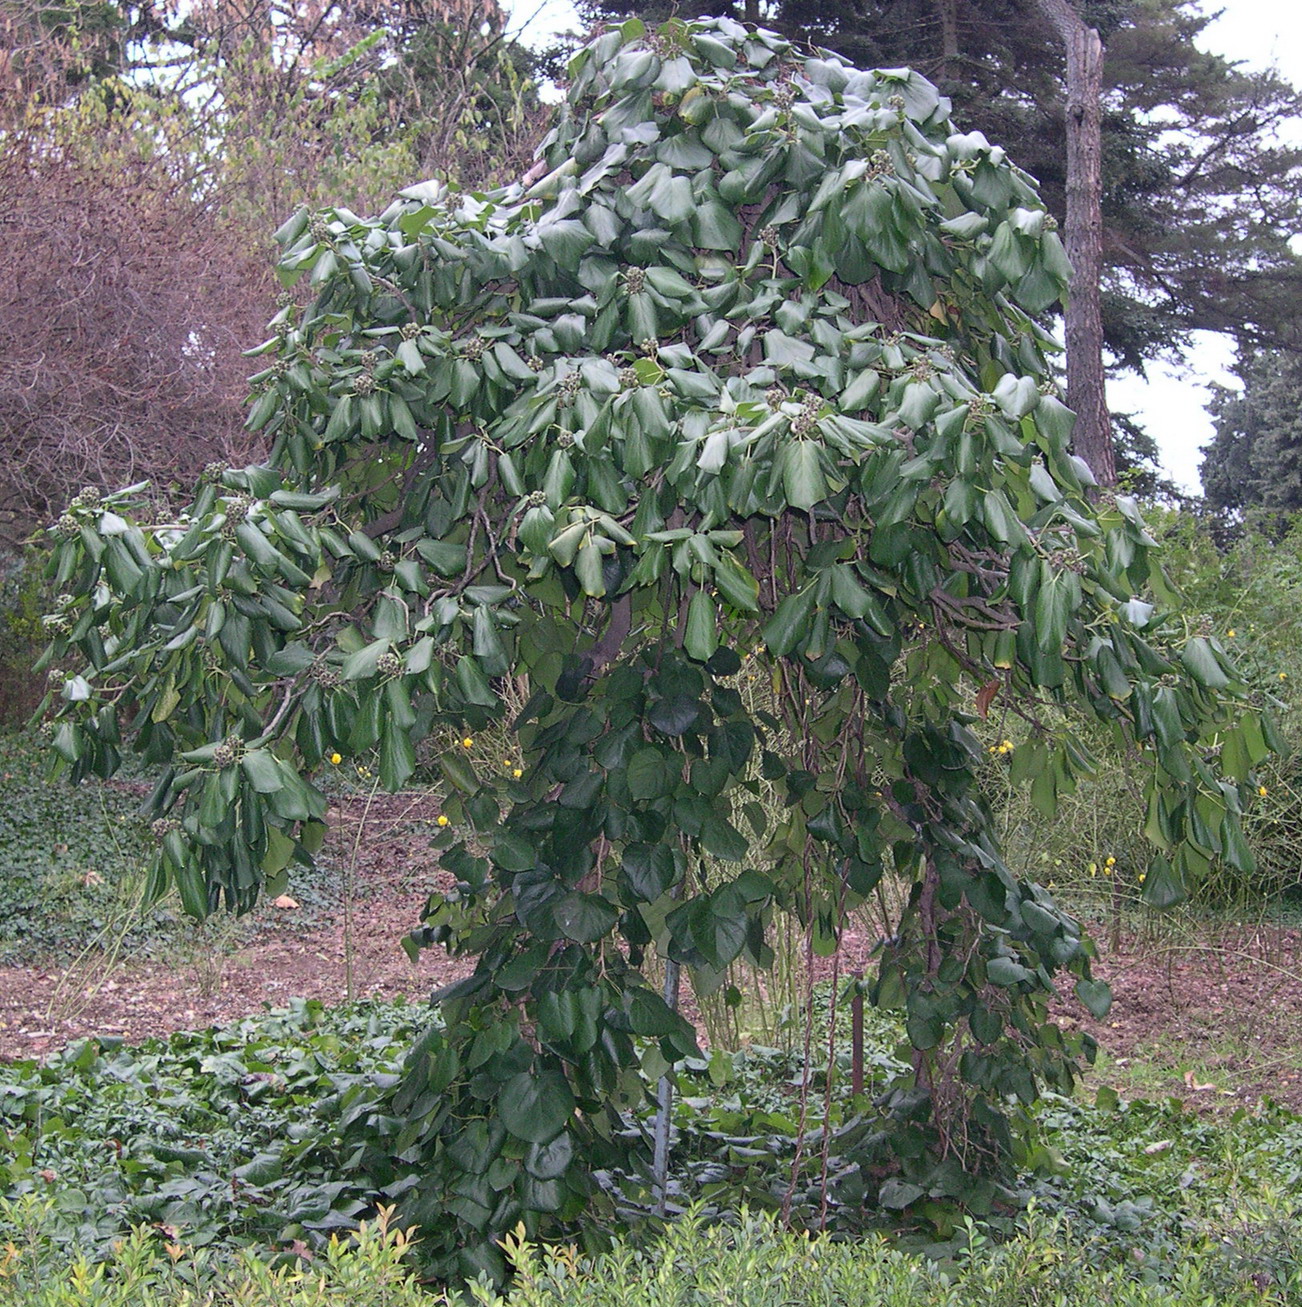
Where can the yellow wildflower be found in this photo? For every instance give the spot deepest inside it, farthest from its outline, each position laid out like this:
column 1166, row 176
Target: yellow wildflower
column 468, row 742
column 1283, row 676
column 517, row 773
column 1230, row 633
column 1262, row 790
column 442, row 821
column 336, row 759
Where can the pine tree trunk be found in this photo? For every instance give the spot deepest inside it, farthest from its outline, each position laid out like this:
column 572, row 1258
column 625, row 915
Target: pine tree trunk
column 1084, row 237
column 948, row 34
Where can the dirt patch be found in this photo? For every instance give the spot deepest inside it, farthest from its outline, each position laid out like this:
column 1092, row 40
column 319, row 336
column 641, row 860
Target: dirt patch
column 1214, row 1019
column 318, row 950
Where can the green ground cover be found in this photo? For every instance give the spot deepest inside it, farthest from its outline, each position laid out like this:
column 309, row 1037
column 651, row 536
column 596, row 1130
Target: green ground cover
column 246, row 1143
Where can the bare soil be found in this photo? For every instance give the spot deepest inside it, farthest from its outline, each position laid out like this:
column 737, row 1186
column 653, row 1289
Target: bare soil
column 1211, row 1018
column 329, row 953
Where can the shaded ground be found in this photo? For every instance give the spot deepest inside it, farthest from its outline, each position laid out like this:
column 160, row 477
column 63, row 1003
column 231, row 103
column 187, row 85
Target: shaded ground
column 1214, row 1021
column 309, row 949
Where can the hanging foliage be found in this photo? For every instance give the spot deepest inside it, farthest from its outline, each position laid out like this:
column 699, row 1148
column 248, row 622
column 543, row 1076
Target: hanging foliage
column 747, row 375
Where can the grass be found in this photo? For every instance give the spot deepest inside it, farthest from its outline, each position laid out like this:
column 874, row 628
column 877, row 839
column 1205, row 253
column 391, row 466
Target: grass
column 1208, row 1073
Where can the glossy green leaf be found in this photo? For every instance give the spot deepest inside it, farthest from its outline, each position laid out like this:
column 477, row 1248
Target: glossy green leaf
column 701, row 637
column 536, row 1106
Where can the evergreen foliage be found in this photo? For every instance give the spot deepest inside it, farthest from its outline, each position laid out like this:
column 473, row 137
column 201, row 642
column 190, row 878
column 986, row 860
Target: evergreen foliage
column 749, row 375
column 1254, row 461
column 1201, row 194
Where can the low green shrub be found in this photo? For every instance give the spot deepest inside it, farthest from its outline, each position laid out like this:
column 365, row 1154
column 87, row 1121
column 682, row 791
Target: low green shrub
column 1249, row 598
column 147, row 1268
column 747, row 1261
column 72, row 859
column 753, row 1262
column 73, row 864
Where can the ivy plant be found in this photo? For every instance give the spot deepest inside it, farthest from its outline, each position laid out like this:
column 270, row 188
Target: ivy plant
column 746, row 371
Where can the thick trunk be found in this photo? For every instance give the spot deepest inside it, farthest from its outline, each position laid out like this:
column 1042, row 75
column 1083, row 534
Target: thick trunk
column 1084, row 237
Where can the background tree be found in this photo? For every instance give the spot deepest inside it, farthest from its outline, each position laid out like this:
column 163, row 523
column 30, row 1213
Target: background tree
column 116, row 363
column 131, row 130
column 1083, row 210
column 748, row 377
column 1254, row 461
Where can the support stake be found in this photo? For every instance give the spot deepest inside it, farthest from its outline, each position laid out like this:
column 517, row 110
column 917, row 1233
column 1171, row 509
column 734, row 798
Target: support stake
column 856, row 1034
column 665, row 1102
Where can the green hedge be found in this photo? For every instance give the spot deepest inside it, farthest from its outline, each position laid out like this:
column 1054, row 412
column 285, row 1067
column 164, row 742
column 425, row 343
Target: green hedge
column 749, row 1262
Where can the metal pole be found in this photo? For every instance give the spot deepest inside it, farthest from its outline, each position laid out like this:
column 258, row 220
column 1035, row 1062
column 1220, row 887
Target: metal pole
column 664, row 1101
column 856, row 1034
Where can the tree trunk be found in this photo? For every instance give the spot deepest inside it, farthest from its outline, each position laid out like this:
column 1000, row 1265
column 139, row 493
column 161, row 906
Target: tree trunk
column 948, row 35
column 1084, row 237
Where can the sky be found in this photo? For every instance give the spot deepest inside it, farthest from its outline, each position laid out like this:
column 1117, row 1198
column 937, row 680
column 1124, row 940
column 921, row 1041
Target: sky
column 1171, row 402
column 1260, row 33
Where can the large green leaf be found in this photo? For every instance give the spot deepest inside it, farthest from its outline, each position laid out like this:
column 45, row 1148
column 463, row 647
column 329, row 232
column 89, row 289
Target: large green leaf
column 585, row 918
column 536, row 1106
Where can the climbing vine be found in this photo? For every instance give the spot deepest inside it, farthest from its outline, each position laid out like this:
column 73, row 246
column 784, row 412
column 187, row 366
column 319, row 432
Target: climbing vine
column 746, row 371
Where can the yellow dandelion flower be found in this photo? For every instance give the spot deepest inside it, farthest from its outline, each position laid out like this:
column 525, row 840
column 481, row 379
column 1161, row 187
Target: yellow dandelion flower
column 1230, row 634
column 1283, row 676
column 1109, row 861
column 443, row 820
column 1262, row 790
column 468, row 742
column 506, row 762
column 336, row 759
column 1143, row 876
column 517, row 773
